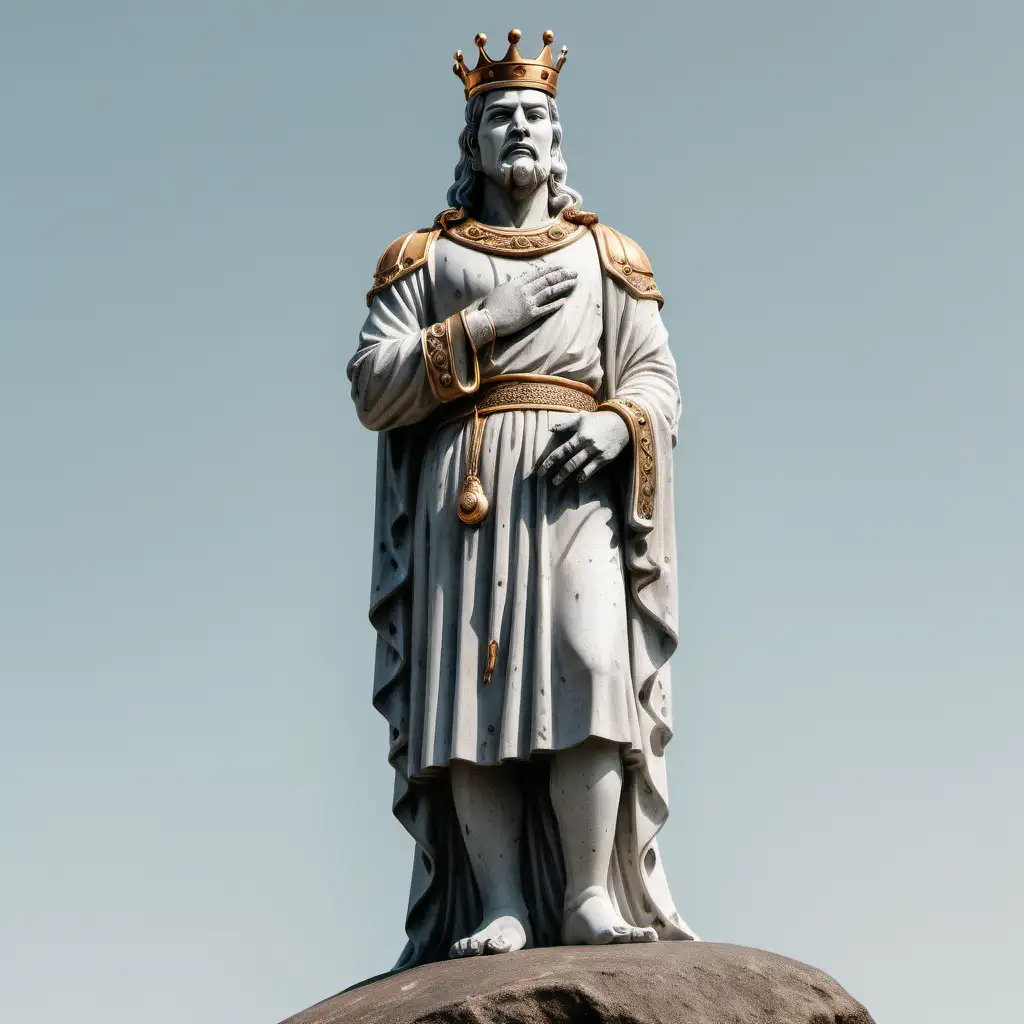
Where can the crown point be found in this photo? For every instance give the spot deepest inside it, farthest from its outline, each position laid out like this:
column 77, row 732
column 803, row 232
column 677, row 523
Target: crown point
column 514, row 36
column 548, row 37
column 481, row 39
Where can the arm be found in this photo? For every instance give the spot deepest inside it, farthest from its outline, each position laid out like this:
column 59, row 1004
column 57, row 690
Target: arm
column 405, row 366
column 640, row 381
column 645, row 391
column 646, row 397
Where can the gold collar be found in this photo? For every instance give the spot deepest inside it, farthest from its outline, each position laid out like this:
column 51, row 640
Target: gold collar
column 516, row 243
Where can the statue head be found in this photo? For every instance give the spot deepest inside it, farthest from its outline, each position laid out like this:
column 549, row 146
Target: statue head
column 514, row 138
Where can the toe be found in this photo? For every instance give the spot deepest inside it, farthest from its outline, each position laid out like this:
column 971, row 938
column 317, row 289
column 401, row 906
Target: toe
column 465, row 947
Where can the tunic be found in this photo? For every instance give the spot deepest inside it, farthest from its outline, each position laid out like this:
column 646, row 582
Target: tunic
column 542, row 574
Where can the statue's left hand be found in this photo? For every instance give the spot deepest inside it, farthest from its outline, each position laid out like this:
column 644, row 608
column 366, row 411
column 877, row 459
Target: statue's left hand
column 595, row 438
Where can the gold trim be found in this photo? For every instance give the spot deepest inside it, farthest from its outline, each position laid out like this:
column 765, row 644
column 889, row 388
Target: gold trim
column 645, row 462
column 541, row 378
column 504, row 395
column 516, row 243
column 438, row 343
column 574, row 216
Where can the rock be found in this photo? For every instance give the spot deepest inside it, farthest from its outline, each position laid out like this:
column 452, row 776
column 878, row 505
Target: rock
column 656, row 983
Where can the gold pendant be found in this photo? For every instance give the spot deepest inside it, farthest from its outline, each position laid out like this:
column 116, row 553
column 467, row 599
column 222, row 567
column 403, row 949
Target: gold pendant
column 473, row 503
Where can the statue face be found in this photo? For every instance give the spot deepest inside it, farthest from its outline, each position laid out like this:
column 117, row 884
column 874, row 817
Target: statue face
column 514, row 137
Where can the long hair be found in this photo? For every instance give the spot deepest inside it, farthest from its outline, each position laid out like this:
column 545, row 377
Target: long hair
column 467, row 189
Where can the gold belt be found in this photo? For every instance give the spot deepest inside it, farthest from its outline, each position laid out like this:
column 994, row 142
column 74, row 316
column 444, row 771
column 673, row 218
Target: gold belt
column 506, row 393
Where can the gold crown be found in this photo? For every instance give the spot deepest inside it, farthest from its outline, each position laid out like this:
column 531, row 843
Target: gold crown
column 513, row 70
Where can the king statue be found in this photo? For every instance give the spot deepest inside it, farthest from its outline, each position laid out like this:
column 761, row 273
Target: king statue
column 517, row 371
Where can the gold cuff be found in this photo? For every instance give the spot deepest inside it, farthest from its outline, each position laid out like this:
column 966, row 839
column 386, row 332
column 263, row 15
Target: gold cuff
column 645, row 468
column 439, row 341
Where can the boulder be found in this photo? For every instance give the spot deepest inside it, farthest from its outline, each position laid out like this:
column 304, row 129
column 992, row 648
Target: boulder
column 656, row 983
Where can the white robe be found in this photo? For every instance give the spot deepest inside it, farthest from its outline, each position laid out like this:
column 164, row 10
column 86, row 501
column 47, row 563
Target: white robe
column 579, row 597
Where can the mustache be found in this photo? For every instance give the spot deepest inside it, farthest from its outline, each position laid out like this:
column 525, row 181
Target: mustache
column 520, row 144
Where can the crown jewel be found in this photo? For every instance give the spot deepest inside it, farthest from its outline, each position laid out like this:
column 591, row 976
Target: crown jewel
column 513, row 70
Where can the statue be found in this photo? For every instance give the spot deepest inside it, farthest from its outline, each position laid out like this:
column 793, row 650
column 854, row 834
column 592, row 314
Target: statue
column 516, row 367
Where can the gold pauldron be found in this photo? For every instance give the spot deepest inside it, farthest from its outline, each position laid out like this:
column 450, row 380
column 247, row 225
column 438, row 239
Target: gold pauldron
column 439, row 344
column 645, row 461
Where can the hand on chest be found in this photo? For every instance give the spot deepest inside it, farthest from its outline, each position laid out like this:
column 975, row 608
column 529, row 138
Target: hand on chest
column 462, row 275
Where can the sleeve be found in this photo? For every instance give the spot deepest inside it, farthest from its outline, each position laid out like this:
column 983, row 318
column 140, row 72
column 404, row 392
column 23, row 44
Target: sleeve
column 406, row 366
column 646, row 396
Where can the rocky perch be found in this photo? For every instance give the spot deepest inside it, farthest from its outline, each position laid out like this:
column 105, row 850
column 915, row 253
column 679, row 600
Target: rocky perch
column 656, row 983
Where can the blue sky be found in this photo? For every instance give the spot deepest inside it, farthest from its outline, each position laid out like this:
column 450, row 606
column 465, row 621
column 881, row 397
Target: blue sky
column 194, row 791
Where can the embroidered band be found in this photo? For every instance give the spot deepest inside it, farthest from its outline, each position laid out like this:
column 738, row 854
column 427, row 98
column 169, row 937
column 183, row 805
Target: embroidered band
column 645, row 468
column 522, row 391
column 439, row 345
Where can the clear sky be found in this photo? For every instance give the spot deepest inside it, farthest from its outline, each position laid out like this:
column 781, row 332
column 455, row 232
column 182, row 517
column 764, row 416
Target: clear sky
column 194, row 797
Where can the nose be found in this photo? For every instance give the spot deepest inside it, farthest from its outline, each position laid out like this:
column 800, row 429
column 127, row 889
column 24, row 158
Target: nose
column 519, row 123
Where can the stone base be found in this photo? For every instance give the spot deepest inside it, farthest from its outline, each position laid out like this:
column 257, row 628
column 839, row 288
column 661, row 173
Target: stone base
column 656, row 983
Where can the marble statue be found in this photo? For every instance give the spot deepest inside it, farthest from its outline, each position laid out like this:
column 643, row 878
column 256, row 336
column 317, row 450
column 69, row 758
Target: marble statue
column 517, row 371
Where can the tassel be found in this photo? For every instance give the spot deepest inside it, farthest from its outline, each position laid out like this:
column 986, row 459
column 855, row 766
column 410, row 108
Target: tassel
column 473, row 503
column 492, row 660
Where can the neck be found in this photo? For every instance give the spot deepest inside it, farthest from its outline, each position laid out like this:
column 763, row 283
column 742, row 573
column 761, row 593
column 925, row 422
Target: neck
column 514, row 207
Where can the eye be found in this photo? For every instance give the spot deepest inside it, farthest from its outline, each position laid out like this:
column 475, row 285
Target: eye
column 536, row 115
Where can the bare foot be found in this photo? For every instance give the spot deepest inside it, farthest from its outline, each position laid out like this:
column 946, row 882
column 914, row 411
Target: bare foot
column 591, row 920
column 504, row 931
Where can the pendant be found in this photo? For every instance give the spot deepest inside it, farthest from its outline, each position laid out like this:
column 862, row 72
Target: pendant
column 473, row 503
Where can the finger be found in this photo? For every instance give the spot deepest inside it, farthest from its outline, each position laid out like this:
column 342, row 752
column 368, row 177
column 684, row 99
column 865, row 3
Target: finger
column 553, row 291
column 590, row 468
column 559, row 455
column 550, row 307
column 557, row 436
column 570, row 424
column 542, row 270
column 579, row 460
column 551, row 277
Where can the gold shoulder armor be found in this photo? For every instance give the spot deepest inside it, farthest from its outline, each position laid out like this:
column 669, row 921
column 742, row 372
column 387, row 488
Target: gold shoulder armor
column 404, row 255
column 624, row 260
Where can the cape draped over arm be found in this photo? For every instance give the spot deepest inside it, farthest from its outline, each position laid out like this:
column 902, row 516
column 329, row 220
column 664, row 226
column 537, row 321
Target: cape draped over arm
column 638, row 365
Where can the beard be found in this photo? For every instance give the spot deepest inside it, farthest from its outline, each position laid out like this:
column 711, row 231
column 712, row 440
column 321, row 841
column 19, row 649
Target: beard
column 523, row 172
